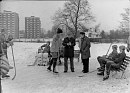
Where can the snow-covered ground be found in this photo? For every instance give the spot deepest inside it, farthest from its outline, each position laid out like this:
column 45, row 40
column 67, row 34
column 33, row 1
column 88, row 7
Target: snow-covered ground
column 35, row 79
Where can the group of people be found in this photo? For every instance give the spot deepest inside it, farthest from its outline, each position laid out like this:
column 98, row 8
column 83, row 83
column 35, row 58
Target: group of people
column 68, row 44
column 114, row 59
column 5, row 42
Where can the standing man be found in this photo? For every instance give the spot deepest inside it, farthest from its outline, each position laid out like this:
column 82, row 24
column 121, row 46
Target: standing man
column 85, row 51
column 54, row 49
column 68, row 43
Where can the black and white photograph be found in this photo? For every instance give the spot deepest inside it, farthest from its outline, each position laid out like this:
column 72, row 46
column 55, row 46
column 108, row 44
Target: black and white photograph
column 65, row 46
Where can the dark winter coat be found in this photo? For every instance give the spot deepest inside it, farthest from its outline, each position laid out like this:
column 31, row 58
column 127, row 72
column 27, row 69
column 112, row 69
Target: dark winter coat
column 120, row 58
column 85, row 48
column 68, row 49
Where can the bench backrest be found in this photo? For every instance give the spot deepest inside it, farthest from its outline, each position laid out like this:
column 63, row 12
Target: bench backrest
column 125, row 63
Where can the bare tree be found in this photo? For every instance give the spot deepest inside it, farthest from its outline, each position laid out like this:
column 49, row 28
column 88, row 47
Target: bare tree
column 125, row 24
column 74, row 13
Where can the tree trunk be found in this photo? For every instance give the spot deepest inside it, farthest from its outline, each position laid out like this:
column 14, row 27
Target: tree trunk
column 76, row 20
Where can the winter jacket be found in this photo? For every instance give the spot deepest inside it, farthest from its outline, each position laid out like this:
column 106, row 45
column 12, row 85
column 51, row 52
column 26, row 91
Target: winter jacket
column 56, row 43
column 120, row 58
column 85, row 48
column 69, row 49
column 113, row 55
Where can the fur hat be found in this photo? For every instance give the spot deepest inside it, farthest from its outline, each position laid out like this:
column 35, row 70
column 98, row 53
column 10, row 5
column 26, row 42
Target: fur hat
column 59, row 31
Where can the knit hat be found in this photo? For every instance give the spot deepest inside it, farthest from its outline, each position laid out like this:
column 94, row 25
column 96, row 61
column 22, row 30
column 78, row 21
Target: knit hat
column 122, row 47
column 59, row 31
column 114, row 46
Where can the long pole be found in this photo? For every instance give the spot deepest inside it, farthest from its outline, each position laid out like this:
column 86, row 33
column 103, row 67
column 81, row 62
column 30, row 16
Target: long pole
column 14, row 63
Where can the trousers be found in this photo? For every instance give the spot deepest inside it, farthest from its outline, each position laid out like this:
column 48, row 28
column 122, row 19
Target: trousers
column 85, row 65
column 66, row 63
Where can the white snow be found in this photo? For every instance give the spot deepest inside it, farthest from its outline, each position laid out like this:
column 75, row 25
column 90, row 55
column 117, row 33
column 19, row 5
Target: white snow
column 35, row 79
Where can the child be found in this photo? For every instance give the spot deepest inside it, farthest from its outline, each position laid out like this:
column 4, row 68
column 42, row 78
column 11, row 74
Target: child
column 43, row 55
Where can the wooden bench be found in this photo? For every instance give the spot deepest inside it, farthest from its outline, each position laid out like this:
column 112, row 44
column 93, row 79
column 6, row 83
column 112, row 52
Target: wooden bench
column 77, row 54
column 122, row 67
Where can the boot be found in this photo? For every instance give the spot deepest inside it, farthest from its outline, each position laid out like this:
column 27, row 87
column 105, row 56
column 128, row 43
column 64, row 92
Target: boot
column 106, row 77
column 3, row 76
column 101, row 73
column 50, row 64
column 54, row 66
column 101, row 69
column 98, row 68
column 49, row 68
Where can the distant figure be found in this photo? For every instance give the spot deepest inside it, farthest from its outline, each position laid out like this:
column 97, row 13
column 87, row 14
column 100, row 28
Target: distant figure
column 46, row 48
column 103, row 59
column 55, row 48
column 43, row 55
column 85, row 51
column 128, row 44
column 115, row 63
column 68, row 43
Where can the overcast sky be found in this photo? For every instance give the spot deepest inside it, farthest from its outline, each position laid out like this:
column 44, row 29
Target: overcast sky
column 107, row 12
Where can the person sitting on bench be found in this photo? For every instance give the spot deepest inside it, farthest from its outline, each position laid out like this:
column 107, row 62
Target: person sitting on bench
column 115, row 63
column 103, row 59
column 42, row 53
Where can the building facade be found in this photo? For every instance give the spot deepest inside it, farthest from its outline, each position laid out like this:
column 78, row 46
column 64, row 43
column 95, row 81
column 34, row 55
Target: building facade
column 21, row 34
column 32, row 27
column 10, row 22
column 91, row 33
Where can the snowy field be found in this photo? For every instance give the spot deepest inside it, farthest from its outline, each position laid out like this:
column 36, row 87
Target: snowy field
column 35, row 79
